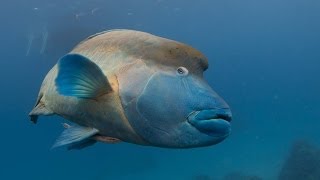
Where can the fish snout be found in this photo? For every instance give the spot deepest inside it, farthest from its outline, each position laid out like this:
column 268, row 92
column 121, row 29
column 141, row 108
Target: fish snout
column 213, row 122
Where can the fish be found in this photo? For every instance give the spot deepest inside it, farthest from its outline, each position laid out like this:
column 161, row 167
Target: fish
column 135, row 87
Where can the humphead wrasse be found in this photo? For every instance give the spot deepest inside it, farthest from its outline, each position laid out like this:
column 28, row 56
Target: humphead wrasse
column 131, row 86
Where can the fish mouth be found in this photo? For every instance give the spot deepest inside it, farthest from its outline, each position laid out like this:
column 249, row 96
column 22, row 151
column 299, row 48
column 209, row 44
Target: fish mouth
column 213, row 122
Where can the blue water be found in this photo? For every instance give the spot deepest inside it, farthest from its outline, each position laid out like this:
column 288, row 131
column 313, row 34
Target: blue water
column 264, row 61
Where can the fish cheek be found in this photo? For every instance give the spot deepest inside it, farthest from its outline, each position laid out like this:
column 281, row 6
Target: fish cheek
column 148, row 116
column 161, row 103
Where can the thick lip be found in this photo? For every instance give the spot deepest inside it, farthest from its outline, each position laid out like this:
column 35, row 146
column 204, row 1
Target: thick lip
column 207, row 114
column 213, row 122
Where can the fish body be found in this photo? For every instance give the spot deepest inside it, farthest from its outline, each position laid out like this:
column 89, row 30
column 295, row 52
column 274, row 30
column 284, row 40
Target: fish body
column 131, row 86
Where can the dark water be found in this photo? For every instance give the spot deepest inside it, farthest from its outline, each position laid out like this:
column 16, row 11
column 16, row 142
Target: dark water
column 264, row 61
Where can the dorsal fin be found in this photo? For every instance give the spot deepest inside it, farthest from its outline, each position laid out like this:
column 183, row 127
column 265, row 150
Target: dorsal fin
column 103, row 32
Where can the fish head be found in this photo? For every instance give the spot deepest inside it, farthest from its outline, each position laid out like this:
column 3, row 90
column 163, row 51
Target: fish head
column 169, row 104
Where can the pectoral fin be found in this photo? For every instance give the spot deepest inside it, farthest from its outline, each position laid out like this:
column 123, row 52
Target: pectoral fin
column 79, row 77
column 77, row 137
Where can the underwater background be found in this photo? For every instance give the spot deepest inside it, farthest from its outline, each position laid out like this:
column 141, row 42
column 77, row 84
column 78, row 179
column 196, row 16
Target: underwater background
column 264, row 60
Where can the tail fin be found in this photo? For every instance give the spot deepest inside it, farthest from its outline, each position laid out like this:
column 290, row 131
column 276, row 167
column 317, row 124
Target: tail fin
column 39, row 109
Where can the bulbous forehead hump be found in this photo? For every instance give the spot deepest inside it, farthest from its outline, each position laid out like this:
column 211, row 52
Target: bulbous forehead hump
column 152, row 49
column 169, row 52
column 173, row 53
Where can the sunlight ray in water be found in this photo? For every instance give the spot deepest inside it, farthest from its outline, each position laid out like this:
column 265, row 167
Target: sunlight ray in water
column 45, row 35
column 30, row 40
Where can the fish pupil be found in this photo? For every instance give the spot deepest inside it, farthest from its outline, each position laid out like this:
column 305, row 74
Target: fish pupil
column 181, row 70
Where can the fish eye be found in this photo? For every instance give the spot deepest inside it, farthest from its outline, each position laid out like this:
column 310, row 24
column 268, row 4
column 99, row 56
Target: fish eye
column 182, row 71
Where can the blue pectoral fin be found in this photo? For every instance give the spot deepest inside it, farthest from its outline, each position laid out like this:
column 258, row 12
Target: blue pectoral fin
column 76, row 137
column 79, row 77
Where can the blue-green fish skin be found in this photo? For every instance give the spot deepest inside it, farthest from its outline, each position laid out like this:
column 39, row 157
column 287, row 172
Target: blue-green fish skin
column 138, row 88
